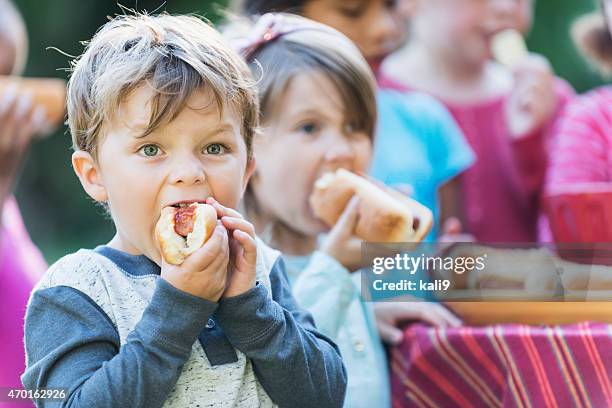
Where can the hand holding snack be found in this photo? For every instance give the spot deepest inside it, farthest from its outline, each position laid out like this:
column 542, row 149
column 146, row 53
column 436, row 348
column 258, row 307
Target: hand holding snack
column 382, row 216
column 204, row 272
column 20, row 122
column 46, row 93
column 533, row 100
column 341, row 243
column 183, row 229
column 243, row 250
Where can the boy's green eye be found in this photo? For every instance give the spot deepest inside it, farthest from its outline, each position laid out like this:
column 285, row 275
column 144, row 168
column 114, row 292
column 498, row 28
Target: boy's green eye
column 214, row 148
column 150, row 150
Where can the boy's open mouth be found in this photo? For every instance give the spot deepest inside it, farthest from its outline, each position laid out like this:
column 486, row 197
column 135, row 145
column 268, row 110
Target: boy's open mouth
column 186, row 203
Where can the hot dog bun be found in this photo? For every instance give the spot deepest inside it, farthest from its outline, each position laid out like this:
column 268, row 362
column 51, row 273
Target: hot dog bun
column 383, row 217
column 174, row 247
column 47, row 92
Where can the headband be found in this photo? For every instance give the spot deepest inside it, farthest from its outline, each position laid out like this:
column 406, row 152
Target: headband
column 269, row 27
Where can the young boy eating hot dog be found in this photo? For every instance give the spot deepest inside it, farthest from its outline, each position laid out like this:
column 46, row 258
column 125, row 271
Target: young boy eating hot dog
column 162, row 114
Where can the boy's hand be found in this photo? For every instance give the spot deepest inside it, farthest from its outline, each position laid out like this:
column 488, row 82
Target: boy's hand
column 203, row 273
column 391, row 316
column 243, row 250
column 341, row 243
column 533, row 101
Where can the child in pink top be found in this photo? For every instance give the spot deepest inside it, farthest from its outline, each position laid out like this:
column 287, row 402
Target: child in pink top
column 21, row 264
column 506, row 115
column 582, row 148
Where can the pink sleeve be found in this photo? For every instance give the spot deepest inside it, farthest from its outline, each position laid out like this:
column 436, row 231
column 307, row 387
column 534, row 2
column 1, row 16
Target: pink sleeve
column 21, row 265
column 531, row 152
column 16, row 248
column 579, row 151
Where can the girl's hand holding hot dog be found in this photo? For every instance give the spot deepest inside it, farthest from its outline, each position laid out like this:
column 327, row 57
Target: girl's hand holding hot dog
column 360, row 209
column 341, row 242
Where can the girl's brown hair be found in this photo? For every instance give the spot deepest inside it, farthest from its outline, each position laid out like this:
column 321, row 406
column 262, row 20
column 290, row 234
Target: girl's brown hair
column 298, row 45
column 592, row 37
column 302, row 46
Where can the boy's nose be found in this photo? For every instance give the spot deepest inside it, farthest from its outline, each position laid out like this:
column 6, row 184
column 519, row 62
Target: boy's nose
column 187, row 172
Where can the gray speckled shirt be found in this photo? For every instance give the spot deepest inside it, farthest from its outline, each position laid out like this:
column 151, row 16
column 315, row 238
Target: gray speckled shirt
column 106, row 327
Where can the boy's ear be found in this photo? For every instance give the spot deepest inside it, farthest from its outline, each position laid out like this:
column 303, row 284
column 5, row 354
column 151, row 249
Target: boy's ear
column 250, row 169
column 89, row 175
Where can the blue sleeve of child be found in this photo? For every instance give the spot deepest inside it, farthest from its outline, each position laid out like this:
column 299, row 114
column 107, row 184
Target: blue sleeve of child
column 296, row 365
column 326, row 290
column 71, row 343
column 451, row 153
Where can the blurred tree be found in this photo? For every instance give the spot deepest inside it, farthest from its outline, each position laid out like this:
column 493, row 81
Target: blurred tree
column 57, row 212
column 551, row 37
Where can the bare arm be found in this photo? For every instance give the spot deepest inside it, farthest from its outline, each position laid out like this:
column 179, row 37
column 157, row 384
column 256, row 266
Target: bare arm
column 20, row 122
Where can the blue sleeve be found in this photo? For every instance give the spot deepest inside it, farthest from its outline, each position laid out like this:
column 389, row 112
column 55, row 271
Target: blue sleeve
column 326, row 290
column 71, row 343
column 451, row 153
column 296, row 365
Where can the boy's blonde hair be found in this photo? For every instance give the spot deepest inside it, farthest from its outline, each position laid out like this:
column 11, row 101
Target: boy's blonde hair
column 174, row 55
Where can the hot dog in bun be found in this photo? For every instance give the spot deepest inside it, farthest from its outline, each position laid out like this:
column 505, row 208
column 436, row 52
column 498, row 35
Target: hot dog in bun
column 383, row 216
column 183, row 229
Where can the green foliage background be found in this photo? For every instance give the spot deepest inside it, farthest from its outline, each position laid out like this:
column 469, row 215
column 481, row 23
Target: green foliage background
column 57, row 212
